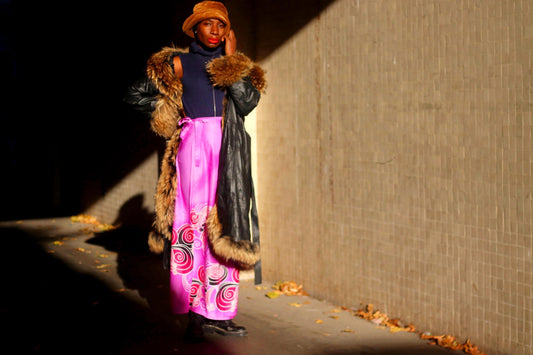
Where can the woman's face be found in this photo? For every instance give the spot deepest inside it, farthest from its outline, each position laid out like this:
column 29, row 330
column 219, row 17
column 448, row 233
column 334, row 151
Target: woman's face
column 209, row 32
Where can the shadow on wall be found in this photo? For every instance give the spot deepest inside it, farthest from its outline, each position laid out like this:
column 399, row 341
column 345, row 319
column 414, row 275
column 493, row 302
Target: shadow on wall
column 66, row 136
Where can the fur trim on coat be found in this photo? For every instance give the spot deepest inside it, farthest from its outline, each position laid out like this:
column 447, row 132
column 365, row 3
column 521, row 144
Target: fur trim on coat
column 224, row 72
column 243, row 253
column 169, row 108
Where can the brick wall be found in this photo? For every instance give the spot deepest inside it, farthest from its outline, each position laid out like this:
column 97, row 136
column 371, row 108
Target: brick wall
column 395, row 160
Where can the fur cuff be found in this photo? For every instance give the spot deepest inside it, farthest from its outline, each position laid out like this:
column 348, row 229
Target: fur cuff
column 243, row 253
column 229, row 69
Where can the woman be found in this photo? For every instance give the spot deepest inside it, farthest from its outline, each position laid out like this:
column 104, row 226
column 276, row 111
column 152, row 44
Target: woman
column 197, row 100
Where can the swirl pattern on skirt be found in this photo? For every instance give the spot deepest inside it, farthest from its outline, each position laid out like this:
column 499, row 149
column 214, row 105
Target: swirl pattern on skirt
column 198, row 215
column 216, row 274
column 186, row 235
column 195, row 293
column 201, row 273
column 182, row 259
column 235, row 275
column 227, row 297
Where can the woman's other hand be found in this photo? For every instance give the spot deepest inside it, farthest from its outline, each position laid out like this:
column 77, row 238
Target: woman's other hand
column 230, row 43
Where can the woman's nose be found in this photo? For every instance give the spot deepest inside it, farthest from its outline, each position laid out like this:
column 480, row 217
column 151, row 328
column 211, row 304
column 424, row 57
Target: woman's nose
column 214, row 30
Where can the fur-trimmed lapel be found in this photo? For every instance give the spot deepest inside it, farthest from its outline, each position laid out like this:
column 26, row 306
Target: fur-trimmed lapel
column 169, row 108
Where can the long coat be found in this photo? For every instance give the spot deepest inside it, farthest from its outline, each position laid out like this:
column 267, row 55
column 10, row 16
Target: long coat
column 159, row 94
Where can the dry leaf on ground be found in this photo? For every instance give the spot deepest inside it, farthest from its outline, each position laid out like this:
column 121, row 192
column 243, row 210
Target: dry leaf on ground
column 290, row 288
column 395, row 325
column 273, row 294
column 88, row 219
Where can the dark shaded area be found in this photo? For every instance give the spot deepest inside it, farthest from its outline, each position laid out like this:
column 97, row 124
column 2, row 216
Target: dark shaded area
column 66, row 136
column 48, row 308
column 138, row 268
column 279, row 20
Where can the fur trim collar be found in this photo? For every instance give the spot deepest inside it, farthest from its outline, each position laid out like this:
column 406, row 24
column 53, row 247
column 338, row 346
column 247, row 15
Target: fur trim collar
column 227, row 70
column 168, row 108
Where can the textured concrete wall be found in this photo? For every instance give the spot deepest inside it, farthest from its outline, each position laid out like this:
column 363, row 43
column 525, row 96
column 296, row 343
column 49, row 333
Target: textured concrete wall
column 395, row 160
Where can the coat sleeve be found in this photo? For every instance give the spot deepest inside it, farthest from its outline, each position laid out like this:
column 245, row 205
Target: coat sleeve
column 244, row 95
column 142, row 95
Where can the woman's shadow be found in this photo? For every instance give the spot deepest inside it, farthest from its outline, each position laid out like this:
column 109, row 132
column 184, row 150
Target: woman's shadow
column 138, row 268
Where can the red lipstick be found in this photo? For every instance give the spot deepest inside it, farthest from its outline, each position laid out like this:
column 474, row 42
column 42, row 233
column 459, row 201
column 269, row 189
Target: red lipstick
column 213, row 40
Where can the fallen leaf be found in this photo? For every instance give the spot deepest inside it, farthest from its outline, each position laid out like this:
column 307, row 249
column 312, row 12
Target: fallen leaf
column 120, row 290
column 347, row 331
column 394, row 329
column 289, row 288
column 336, row 310
column 102, row 255
column 334, row 317
column 319, row 321
column 87, row 219
column 57, row 242
column 377, row 321
column 273, row 294
column 102, row 266
column 295, row 304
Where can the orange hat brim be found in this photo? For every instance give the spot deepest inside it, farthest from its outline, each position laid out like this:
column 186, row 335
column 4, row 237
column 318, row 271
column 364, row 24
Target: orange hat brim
column 206, row 10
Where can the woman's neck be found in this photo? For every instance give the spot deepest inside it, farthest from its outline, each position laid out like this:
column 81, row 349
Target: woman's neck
column 198, row 48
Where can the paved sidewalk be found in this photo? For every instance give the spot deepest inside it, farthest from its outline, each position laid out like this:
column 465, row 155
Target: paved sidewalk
column 67, row 289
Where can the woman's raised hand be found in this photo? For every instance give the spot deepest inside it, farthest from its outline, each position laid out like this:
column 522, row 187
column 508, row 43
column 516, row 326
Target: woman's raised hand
column 230, row 43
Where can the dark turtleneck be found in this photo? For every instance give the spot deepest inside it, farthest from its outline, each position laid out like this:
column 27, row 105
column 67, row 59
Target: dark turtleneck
column 197, row 88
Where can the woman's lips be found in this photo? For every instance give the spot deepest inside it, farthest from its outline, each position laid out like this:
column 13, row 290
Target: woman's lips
column 213, row 40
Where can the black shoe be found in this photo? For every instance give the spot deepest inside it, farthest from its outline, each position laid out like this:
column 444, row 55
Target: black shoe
column 195, row 332
column 224, row 327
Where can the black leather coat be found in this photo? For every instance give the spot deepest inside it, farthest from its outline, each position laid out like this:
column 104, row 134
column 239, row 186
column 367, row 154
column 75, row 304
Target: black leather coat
column 243, row 81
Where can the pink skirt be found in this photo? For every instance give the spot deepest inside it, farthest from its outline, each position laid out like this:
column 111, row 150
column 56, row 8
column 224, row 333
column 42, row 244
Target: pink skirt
column 198, row 281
